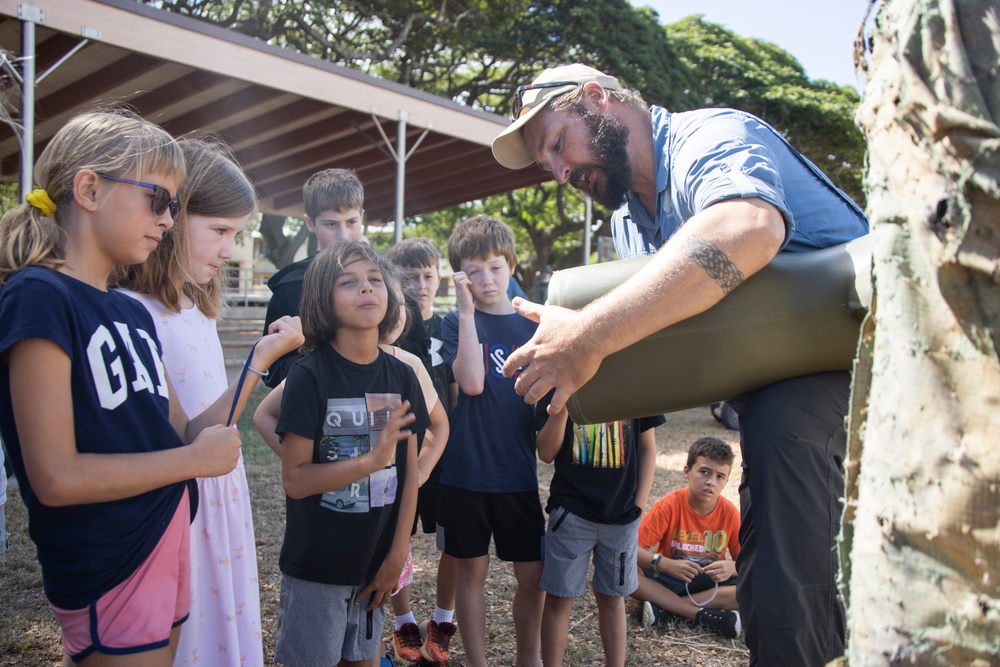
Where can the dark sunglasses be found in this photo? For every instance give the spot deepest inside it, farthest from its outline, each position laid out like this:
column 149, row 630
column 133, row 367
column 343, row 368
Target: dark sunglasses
column 160, row 200
column 517, row 105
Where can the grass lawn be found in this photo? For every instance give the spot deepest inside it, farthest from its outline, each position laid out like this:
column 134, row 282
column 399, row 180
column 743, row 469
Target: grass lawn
column 29, row 636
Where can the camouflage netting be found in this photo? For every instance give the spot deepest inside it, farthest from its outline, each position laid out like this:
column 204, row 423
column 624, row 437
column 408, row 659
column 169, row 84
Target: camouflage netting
column 921, row 553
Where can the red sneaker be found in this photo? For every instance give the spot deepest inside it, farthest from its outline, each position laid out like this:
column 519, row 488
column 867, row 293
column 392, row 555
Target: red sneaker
column 406, row 642
column 435, row 649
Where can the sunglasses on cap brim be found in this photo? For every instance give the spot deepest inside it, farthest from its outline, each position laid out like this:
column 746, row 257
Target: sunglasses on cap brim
column 517, row 105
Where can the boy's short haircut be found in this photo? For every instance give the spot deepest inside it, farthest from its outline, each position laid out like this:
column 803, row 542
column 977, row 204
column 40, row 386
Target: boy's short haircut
column 479, row 237
column 712, row 449
column 417, row 253
column 332, row 190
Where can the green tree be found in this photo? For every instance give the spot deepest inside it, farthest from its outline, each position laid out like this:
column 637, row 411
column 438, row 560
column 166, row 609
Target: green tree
column 478, row 52
column 529, row 212
column 8, row 196
column 283, row 237
column 473, row 51
column 817, row 117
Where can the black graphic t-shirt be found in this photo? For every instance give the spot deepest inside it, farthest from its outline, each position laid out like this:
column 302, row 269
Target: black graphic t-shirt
column 439, row 371
column 597, row 470
column 342, row 536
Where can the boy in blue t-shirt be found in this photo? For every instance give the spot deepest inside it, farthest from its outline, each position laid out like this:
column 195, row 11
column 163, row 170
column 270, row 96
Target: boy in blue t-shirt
column 489, row 478
column 597, row 496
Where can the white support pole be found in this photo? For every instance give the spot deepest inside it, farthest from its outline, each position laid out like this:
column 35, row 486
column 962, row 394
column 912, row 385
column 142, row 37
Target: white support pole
column 27, row 106
column 30, row 15
column 55, row 66
column 400, row 155
column 587, row 231
column 400, row 173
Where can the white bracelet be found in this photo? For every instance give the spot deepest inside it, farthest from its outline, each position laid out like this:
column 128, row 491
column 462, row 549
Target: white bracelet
column 263, row 374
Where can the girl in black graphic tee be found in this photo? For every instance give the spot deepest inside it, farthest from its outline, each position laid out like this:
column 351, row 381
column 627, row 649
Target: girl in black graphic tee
column 348, row 415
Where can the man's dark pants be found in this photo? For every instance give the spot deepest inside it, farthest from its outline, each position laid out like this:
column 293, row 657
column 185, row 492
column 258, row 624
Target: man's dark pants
column 793, row 439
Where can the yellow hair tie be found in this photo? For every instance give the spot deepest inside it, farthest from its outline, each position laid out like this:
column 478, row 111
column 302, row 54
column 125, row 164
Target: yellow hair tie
column 40, row 199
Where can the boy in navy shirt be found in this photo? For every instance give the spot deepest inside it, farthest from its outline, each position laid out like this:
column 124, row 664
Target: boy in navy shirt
column 489, row 478
column 431, row 640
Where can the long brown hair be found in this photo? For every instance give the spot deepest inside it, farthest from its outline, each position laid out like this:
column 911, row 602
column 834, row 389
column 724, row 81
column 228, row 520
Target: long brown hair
column 215, row 187
column 397, row 282
column 319, row 320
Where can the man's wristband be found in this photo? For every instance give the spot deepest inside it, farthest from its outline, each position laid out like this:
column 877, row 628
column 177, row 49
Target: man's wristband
column 653, row 563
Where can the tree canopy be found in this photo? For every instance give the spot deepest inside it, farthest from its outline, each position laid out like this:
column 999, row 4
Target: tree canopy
column 817, row 117
column 477, row 52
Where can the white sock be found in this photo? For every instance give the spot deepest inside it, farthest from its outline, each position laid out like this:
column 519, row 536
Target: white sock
column 403, row 620
column 443, row 615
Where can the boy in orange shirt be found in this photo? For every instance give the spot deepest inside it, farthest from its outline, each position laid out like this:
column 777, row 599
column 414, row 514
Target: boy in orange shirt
column 683, row 541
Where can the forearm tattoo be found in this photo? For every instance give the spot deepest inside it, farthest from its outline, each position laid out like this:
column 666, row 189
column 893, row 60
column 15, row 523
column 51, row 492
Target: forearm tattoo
column 715, row 262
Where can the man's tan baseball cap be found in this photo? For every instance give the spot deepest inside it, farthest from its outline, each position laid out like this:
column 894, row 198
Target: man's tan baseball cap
column 509, row 148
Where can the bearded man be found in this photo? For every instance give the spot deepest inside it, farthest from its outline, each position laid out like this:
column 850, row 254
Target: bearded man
column 713, row 194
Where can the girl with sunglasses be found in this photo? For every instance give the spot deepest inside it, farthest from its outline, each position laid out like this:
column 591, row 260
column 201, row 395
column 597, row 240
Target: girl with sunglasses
column 100, row 445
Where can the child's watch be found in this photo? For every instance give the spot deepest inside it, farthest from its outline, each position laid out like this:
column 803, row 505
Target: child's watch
column 656, row 559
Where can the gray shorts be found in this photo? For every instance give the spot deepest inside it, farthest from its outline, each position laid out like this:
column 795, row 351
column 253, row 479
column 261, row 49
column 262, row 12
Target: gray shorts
column 319, row 625
column 569, row 542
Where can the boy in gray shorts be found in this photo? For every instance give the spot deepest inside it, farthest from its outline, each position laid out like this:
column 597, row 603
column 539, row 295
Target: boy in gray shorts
column 597, row 496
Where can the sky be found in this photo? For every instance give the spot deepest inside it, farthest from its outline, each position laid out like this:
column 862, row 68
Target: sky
column 819, row 34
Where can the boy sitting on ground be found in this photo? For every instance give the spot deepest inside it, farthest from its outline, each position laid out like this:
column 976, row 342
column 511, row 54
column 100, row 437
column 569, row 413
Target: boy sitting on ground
column 683, row 542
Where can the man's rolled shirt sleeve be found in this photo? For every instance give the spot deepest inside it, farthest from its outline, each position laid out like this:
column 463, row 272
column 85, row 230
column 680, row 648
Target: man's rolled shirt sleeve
column 725, row 160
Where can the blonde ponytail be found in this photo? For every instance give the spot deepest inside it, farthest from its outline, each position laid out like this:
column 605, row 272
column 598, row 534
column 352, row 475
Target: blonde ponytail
column 112, row 141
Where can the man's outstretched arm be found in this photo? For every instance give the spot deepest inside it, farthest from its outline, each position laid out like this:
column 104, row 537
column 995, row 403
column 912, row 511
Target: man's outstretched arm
column 708, row 257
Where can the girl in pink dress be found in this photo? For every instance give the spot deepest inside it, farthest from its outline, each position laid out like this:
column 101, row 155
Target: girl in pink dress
column 181, row 286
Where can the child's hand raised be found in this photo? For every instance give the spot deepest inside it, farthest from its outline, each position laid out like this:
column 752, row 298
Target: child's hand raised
column 216, row 450
column 283, row 335
column 393, row 431
column 463, row 292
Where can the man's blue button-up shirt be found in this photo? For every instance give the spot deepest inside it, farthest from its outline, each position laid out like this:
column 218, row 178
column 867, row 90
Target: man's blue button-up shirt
column 710, row 155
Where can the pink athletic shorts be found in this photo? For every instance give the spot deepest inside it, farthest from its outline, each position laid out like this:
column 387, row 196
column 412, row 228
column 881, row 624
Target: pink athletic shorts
column 137, row 614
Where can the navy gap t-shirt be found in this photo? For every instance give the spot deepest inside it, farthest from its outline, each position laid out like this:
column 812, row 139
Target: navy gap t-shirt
column 120, row 405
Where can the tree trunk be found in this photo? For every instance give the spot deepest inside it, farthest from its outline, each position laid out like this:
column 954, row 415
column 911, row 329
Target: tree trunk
column 281, row 249
column 921, row 552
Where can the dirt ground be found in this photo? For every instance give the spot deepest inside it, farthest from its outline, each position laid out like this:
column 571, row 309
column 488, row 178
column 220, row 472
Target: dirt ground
column 29, row 636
